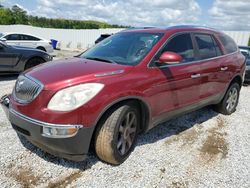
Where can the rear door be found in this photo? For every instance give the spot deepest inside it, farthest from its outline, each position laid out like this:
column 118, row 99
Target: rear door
column 175, row 86
column 211, row 60
column 28, row 41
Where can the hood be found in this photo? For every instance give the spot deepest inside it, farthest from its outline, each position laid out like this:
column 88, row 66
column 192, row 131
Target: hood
column 66, row 72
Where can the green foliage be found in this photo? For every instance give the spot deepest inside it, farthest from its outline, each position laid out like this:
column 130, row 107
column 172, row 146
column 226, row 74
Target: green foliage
column 249, row 42
column 17, row 15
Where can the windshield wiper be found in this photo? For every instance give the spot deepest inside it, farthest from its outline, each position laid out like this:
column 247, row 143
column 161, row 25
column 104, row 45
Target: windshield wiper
column 101, row 59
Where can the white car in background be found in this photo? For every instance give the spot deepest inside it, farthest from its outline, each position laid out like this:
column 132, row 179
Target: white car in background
column 26, row 40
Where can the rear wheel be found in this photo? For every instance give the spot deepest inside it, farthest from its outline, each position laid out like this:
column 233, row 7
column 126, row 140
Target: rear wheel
column 230, row 101
column 41, row 48
column 33, row 62
column 117, row 134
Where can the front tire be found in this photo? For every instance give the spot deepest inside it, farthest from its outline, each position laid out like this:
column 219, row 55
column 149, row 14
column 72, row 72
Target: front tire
column 230, row 101
column 117, row 134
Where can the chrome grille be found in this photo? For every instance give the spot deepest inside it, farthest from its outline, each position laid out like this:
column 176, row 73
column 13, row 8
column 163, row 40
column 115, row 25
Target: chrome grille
column 26, row 89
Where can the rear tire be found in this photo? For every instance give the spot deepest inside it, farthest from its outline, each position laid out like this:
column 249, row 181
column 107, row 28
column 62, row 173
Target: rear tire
column 230, row 101
column 117, row 134
column 33, row 62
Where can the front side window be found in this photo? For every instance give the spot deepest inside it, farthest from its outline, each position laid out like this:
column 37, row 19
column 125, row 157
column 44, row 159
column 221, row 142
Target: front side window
column 127, row 48
column 12, row 37
column 206, row 46
column 182, row 45
column 228, row 44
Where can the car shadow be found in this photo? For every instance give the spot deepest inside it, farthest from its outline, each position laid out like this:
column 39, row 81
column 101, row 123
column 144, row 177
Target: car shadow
column 8, row 77
column 176, row 126
column 162, row 131
column 246, row 83
column 82, row 165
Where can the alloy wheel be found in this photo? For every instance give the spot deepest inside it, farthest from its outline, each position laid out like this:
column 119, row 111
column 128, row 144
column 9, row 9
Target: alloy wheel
column 127, row 132
column 232, row 99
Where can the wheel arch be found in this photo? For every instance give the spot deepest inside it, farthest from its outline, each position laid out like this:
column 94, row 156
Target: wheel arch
column 31, row 58
column 143, row 106
column 237, row 79
column 41, row 48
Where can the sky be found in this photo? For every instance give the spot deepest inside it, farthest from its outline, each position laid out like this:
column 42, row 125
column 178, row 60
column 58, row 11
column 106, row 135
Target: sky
column 219, row 14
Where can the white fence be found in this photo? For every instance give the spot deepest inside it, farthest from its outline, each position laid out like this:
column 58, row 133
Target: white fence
column 84, row 38
column 240, row 37
column 67, row 38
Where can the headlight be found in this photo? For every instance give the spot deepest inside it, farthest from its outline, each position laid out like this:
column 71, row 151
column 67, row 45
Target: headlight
column 73, row 97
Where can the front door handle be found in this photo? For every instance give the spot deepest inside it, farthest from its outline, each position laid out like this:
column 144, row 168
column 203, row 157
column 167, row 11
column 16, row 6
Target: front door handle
column 195, row 75
column 223, row 68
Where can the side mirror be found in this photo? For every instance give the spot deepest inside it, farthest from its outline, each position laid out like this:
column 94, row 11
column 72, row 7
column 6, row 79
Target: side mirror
column 170, row 58
column 3, row 39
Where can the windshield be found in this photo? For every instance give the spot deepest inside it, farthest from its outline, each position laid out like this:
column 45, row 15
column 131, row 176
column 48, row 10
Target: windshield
column 1, row 34
column 123, row 48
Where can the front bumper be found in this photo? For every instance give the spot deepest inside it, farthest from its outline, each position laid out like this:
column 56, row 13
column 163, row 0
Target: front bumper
column 73, row 148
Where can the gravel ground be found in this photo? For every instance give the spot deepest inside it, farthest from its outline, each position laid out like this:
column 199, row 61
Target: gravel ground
column 200, row 149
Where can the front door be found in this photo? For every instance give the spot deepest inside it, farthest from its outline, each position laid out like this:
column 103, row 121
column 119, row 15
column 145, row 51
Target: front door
column 175, row 86
column 8, row 58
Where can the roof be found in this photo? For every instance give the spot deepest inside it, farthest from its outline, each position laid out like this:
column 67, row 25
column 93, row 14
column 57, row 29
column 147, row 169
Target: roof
column 172, row 28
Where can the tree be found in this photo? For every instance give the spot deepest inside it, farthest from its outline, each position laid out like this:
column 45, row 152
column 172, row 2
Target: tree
column 17, row 15
column 20, row 15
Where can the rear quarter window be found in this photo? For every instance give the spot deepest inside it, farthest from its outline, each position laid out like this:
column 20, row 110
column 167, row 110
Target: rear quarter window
column 228, row 43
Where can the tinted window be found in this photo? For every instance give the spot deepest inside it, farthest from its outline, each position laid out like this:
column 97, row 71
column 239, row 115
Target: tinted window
column 182, row 44
column 217, row 48
column 28, row 37
column 206, row 46
column 124, row 48
column 228, row 44
column 12, row 37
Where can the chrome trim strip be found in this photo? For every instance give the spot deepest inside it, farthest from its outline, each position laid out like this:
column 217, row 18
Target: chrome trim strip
column 38, row 92
column 44, row 124
column 193, row 62
column 110, row 73
column 186, row 63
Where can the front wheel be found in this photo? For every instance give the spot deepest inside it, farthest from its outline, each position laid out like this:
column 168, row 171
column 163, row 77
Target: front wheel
column 33, row 62
column 230, row 101
column 117, row 135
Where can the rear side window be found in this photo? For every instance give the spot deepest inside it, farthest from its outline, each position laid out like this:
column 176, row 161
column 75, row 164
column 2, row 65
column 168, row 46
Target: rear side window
column 228, row 44
column 28, row 37
column 182, row 45
column 206, row 46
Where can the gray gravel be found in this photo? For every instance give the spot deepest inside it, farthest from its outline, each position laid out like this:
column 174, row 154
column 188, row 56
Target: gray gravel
column 201, row 149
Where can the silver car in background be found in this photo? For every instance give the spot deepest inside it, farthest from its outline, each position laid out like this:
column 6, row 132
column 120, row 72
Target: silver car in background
column 26, row 40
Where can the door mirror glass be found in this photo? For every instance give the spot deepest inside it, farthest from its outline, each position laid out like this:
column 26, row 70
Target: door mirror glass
column 170, row 58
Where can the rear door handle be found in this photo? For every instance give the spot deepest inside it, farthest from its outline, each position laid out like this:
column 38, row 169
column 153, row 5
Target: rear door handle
column 223, row 68
column 195, row 75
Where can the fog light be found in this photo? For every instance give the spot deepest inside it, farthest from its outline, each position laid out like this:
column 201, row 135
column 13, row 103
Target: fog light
column 60, row 132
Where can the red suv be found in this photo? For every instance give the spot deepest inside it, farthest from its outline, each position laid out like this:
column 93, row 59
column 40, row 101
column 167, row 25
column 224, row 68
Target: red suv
column 126, row 84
